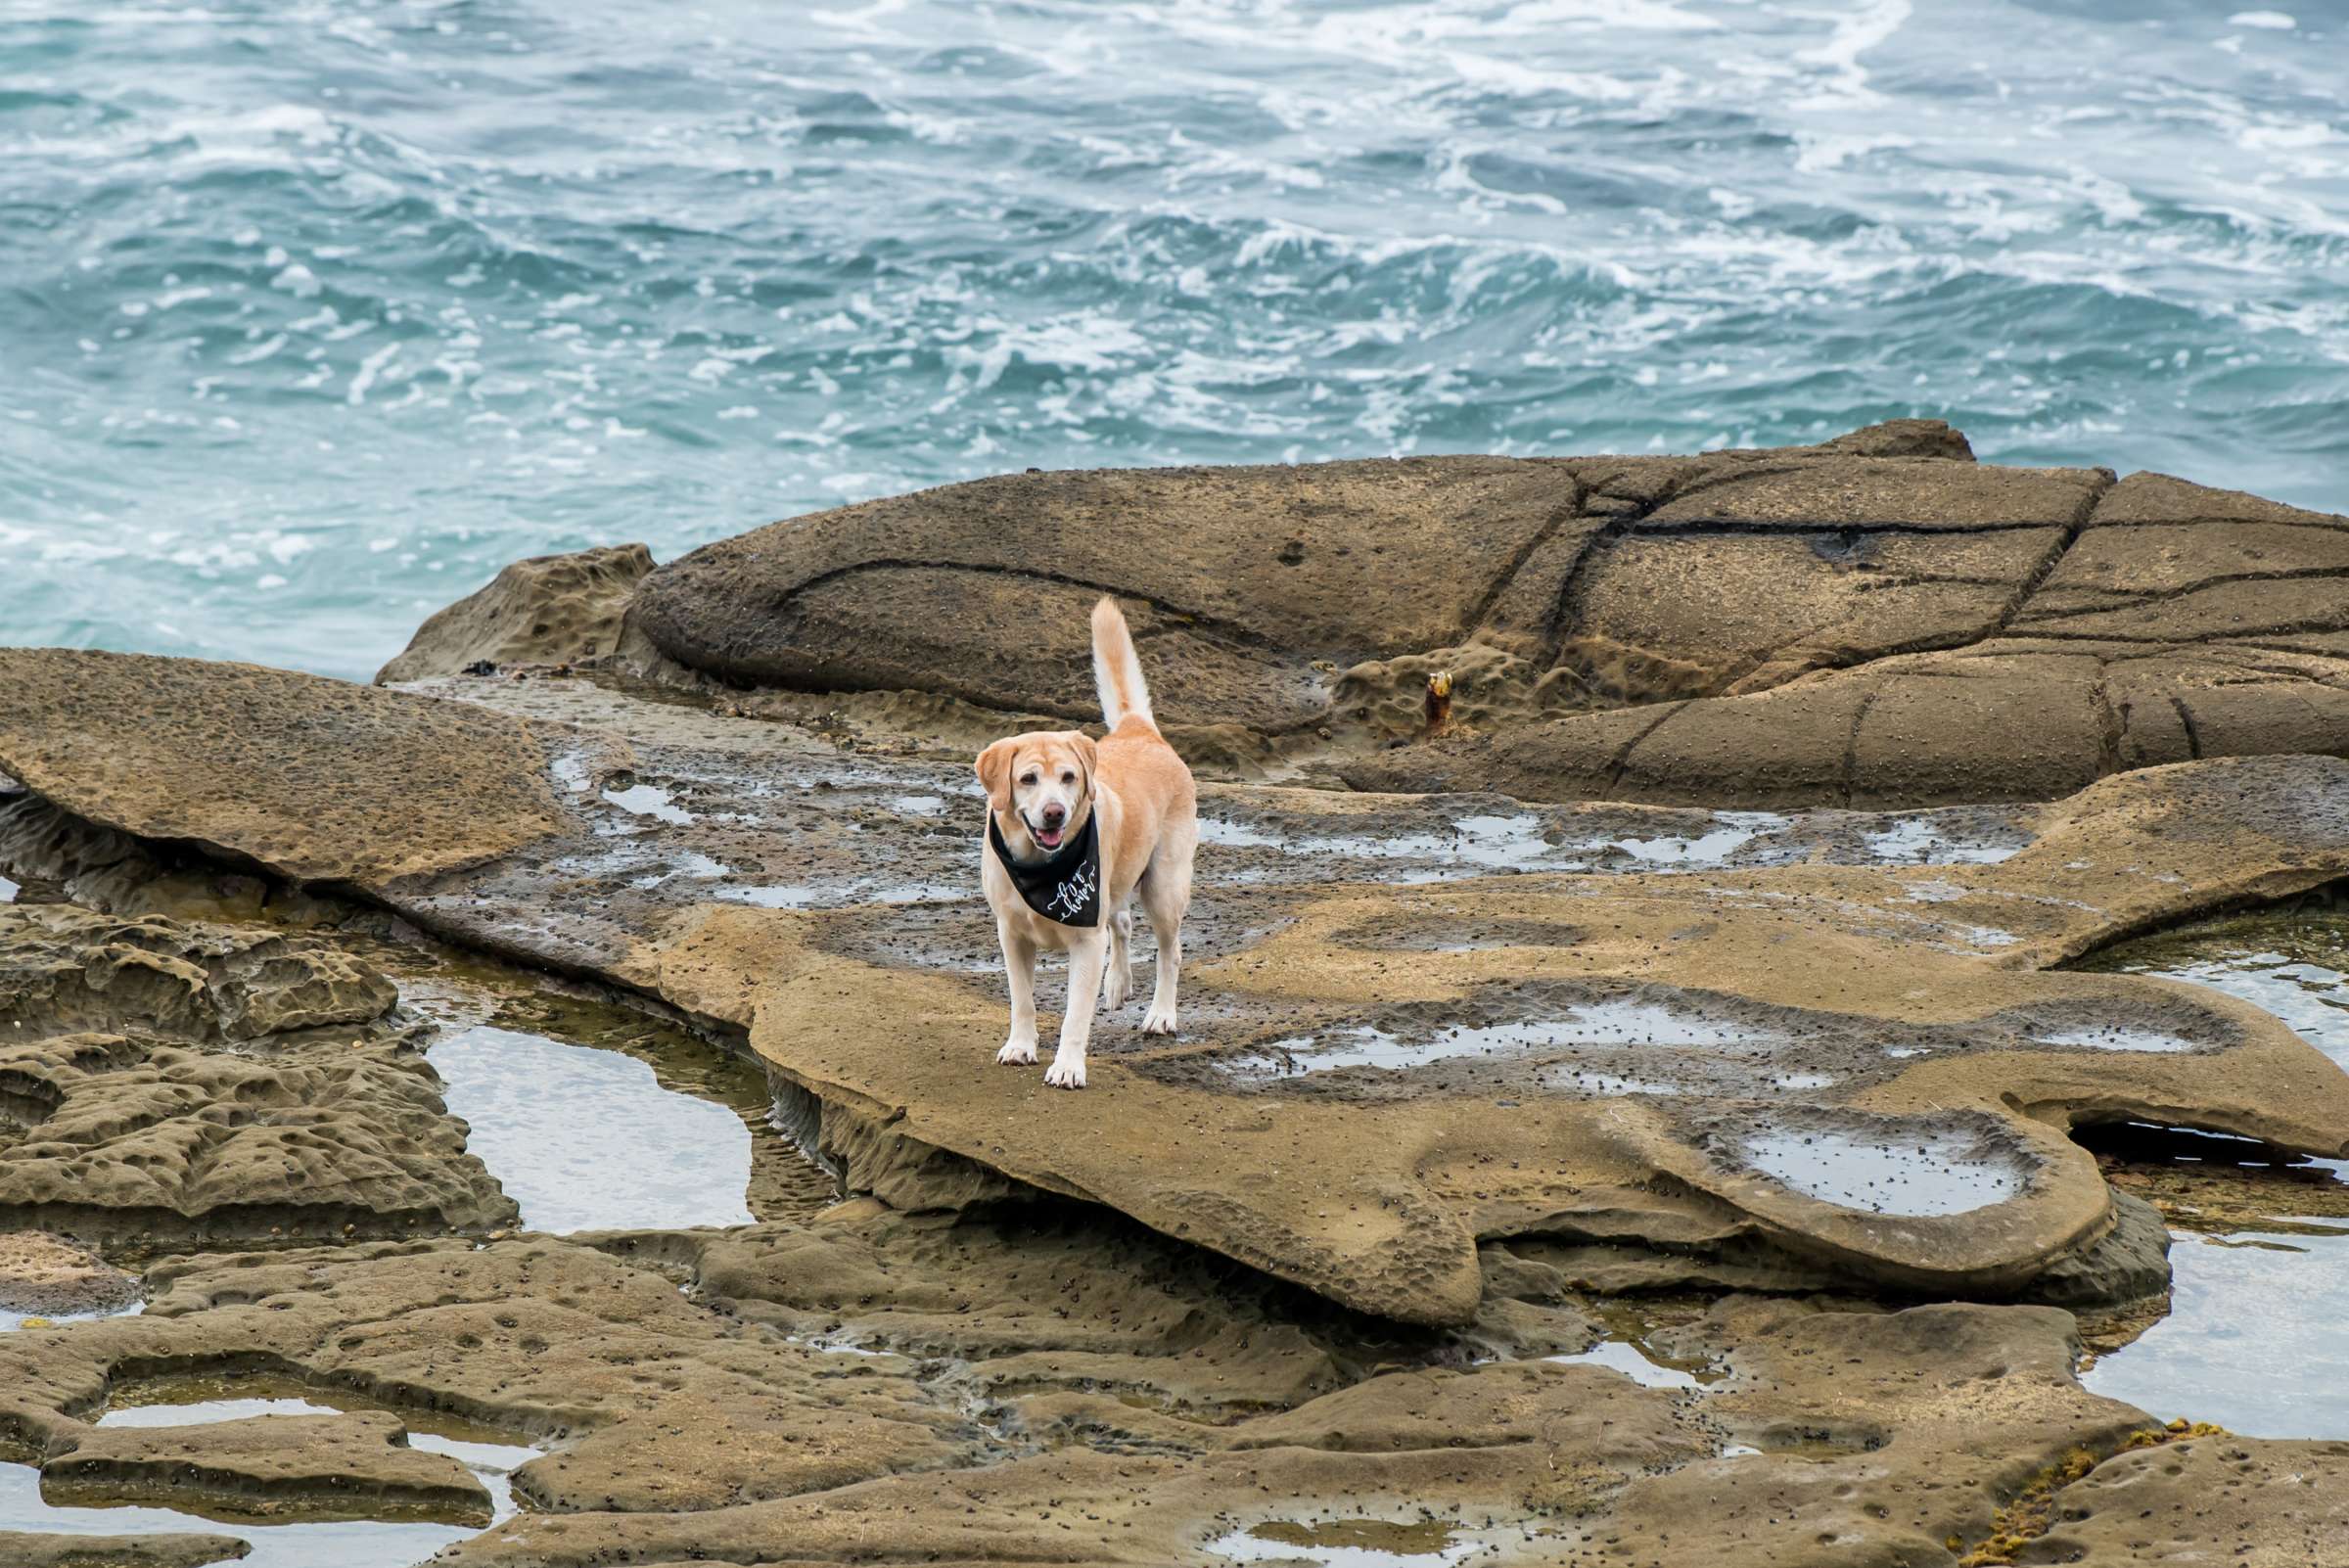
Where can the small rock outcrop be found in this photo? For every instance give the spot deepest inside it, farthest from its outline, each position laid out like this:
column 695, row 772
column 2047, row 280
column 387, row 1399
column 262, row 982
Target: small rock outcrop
column 549, row 610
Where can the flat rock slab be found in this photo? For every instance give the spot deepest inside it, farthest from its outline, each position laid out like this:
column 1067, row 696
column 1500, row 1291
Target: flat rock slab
column 1874, row 621
column 34, row 1549
column 268, row 764
column 271, row 1466
column 1859, row 1066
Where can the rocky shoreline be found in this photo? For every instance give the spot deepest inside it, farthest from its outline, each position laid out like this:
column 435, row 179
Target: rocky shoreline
column 1698, row 987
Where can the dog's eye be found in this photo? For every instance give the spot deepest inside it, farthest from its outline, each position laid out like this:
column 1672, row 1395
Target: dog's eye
column 1028, row 778
column 1068, row 778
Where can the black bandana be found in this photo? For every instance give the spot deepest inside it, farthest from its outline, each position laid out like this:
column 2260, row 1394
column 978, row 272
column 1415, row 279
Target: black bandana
column 1064, row 885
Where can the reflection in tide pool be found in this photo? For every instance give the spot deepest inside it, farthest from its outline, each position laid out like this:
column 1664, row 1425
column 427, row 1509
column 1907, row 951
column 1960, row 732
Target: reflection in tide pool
column 587, row 1139
column 2294, row 965
column 1619, row 1022
column 1890, row 1173
column 336, row 1543
column 1636, row 1363
column 488, row 1454
column 1350, row 1544
column 2257, row 1338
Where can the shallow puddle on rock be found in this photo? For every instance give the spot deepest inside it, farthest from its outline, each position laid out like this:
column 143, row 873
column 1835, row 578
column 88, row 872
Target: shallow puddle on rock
column 1640, row 1364
column 649, row 799
column 1361, row 1542
column 2296, row 966
column 1712, row 847
column 1620, row 1022
column 10, row 1322
column 2257, row 1337
column 1922, row 841
column 327, row 1544
column 596, row 1116
column 588, row 1139
column 8, row 891
column 2114, row 1037
column 1912, row 1175
column 794, row 897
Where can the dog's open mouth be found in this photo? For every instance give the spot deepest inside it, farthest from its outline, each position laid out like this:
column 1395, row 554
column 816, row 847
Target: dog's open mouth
column 1050, row 837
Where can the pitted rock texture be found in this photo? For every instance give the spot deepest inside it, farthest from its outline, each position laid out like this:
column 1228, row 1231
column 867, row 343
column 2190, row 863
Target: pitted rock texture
column 49, row 1276
column 64, row 968
column 1857, row 1066
column 2206, row 1500
column 546, row 610
column 882, row 1387
column 1873, row 621
column 1889, row 1436
column 174, row 1079
column 295, row 771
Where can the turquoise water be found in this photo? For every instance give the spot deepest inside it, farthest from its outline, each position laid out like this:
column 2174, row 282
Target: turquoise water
column 311, row 314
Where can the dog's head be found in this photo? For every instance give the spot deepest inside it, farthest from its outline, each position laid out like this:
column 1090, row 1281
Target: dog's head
column 1039, row 785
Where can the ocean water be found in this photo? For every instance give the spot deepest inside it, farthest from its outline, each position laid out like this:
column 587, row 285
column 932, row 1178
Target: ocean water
column 313, row 315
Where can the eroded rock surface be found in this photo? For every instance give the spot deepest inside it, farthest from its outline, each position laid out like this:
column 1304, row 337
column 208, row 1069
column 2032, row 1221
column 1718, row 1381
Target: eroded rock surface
column 1457, row 1060
column 309, row 777
column 1859, row 1067
column 175, row 1079
column 2205, row 1500
column 1874, row 621
column 549, row 610
column 48, row 1276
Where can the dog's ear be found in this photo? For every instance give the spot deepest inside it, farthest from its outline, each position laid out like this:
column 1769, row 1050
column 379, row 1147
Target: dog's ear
column 1089, row 755
column 995, row 773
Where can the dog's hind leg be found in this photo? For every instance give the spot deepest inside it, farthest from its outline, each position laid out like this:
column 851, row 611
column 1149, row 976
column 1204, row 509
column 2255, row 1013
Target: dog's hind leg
column 1165, row 892
column 1019, row 968
column 1117, row 979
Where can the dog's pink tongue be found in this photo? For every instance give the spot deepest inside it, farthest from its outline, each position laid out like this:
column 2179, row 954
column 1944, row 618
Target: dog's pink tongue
column 1049, row 837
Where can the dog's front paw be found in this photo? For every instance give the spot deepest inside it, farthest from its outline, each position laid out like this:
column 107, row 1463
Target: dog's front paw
column 1065, row 1074
column 1158, row 1020
column 1017, row 1053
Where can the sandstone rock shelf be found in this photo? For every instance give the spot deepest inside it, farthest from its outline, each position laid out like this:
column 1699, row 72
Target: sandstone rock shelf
column 1878, row 620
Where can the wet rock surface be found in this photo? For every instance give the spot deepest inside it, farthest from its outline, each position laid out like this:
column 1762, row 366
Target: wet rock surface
column 1583, row 1181
column 1888, row 1110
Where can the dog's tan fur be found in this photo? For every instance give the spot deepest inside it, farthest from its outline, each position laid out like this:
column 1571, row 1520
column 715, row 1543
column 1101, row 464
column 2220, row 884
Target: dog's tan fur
column 1148, row 813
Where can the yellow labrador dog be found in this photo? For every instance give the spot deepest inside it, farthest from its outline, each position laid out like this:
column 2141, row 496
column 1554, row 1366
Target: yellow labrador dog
column 1076, row 828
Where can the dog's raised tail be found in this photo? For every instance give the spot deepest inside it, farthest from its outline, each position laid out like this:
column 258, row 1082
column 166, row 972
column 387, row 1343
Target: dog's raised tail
column 1116, row 671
